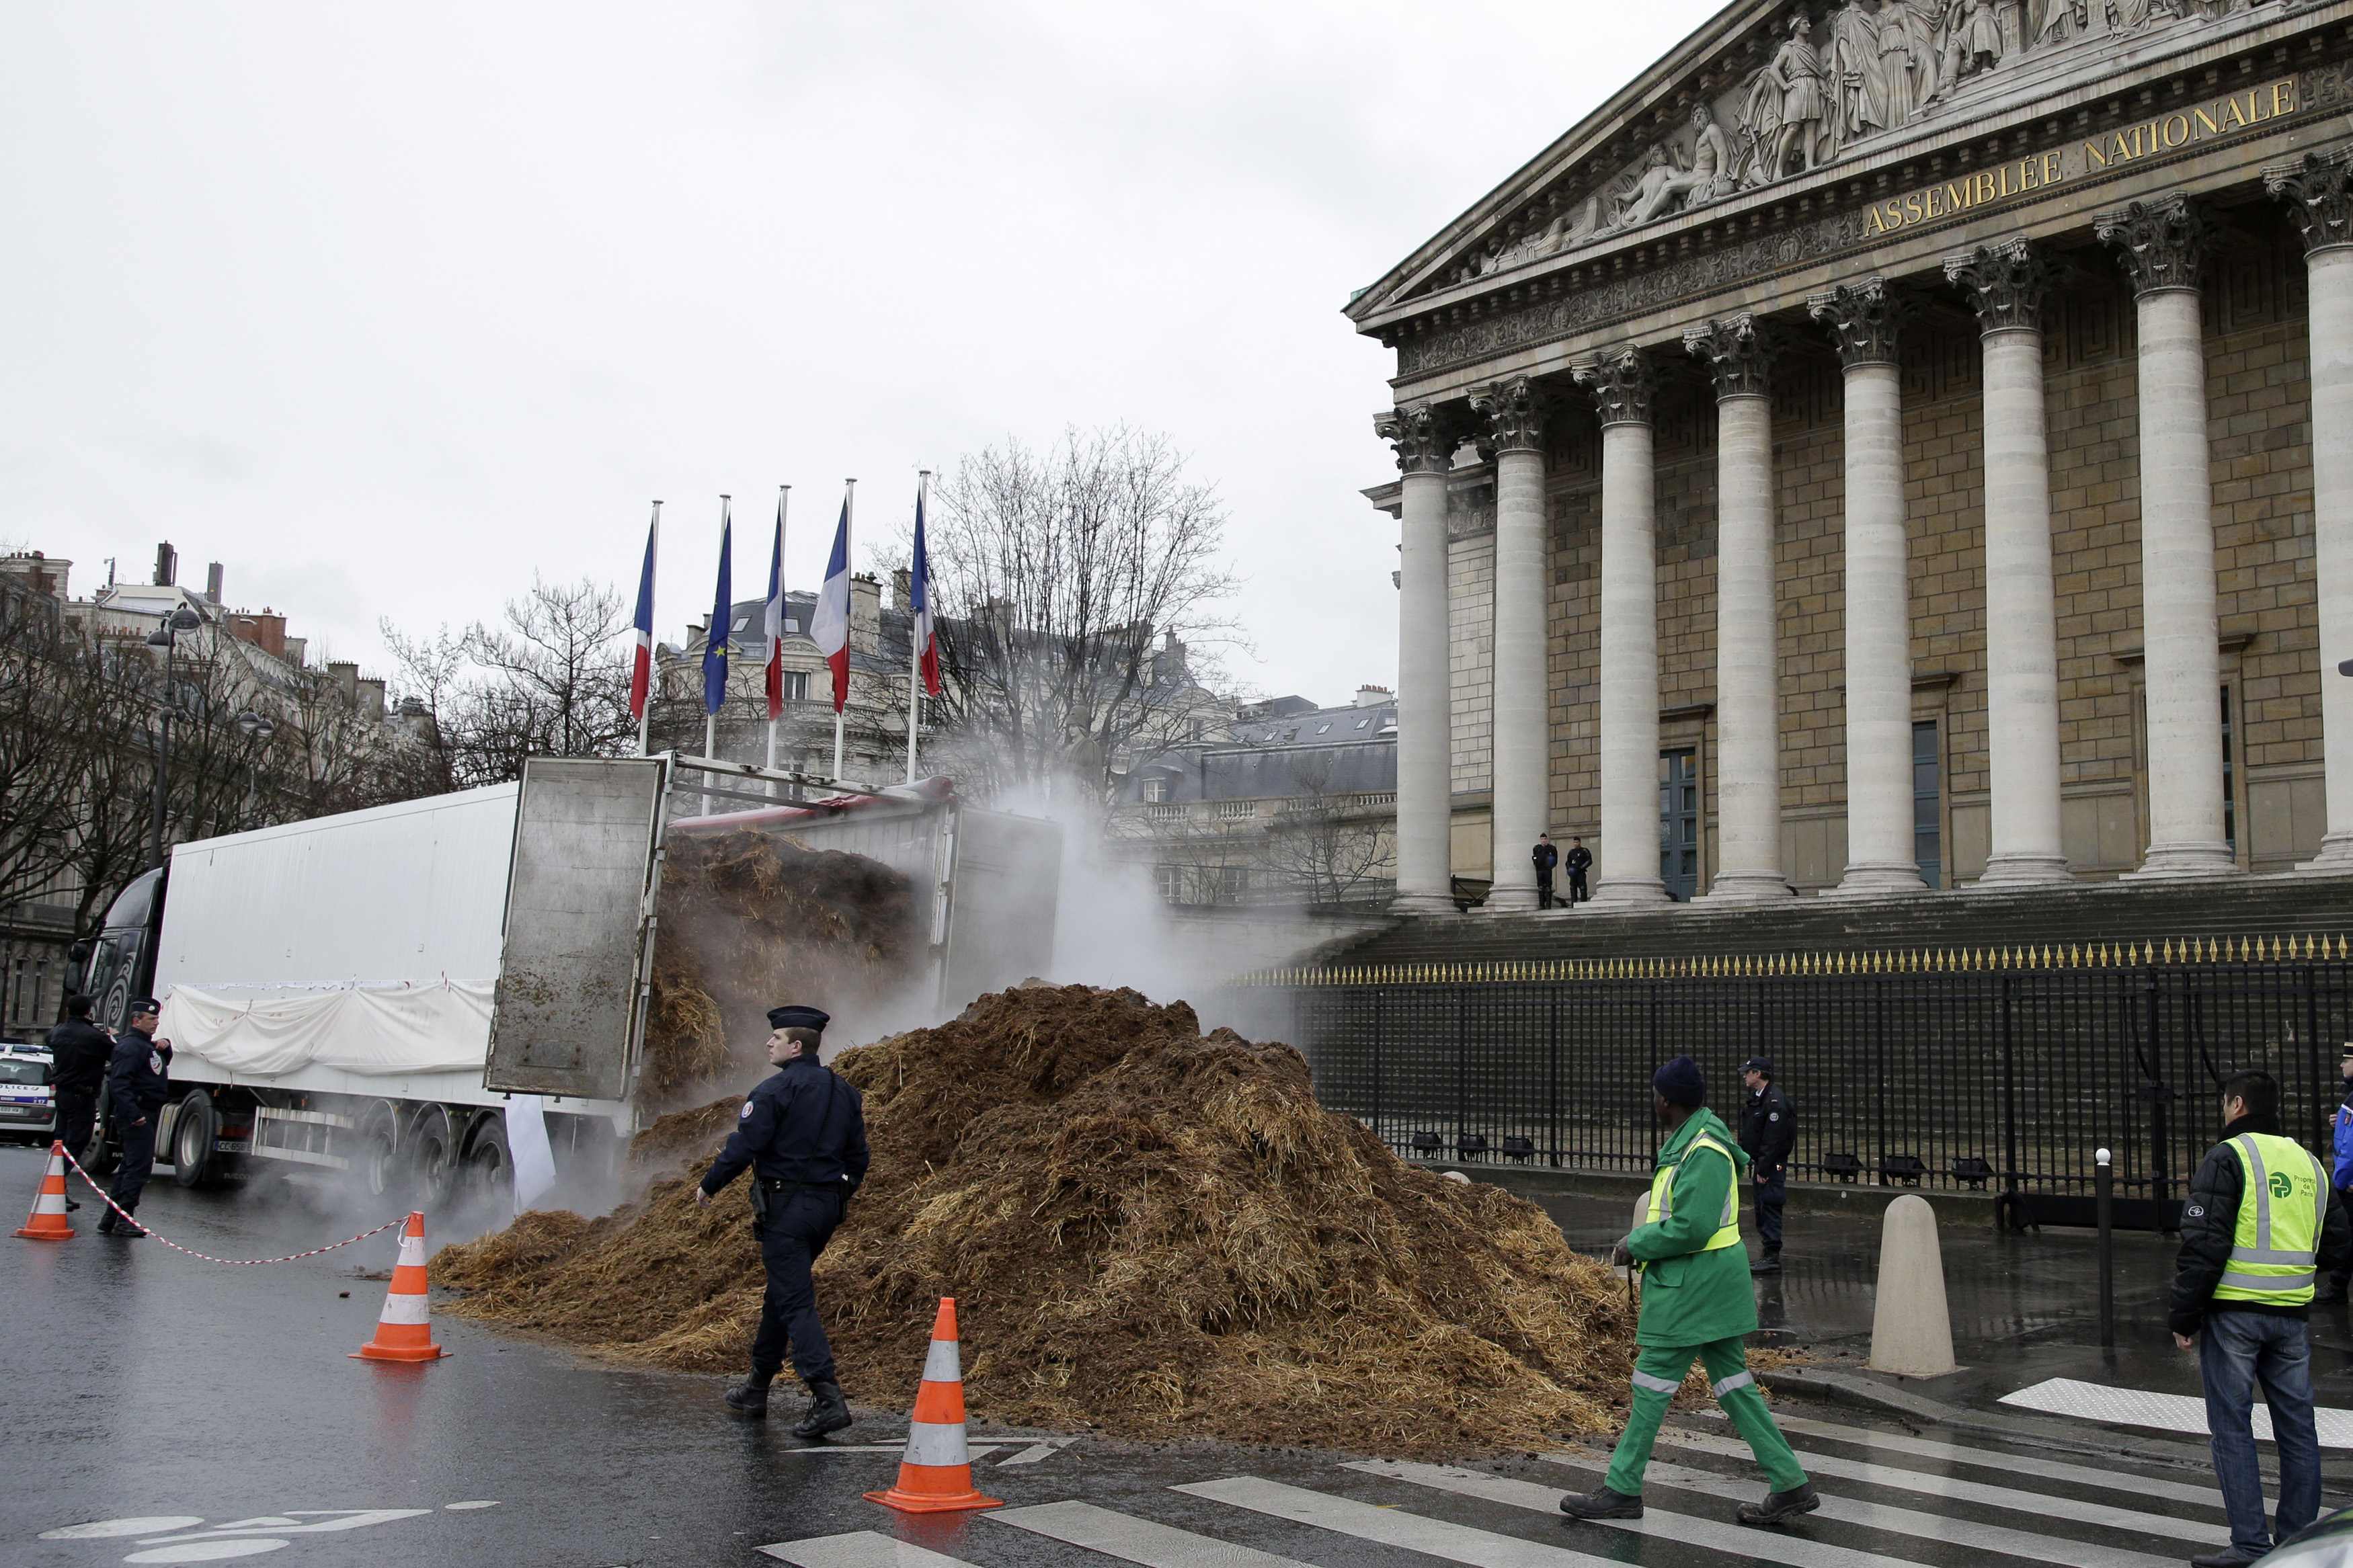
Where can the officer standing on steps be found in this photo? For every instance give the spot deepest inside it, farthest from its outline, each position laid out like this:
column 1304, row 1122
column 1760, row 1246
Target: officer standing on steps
column 1769, row 1131
column 1579, row 860
column 138, row 1082
column 803, row 1132
column 1696, row 1302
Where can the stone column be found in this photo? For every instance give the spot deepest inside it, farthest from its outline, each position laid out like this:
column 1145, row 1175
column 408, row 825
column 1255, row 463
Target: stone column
column 2162, row 244
column 1880, row 857
column 2006, row 283
column 1425, row 451
column 1747, row 663
column 1628, row 861
column 1514, row 414
column 2319, row 194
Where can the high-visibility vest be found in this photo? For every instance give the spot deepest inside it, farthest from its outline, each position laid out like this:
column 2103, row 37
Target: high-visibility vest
column 2284, row 1200
column 1663, row 1193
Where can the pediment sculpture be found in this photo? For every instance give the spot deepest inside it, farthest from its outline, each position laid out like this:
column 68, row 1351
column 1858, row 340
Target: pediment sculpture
column 1869, row 67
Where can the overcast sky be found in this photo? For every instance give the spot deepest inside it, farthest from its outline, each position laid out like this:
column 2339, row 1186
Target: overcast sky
column 389, row 306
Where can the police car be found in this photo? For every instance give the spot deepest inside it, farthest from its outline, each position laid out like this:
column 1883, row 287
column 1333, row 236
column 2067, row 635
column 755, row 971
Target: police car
column 27, row 1104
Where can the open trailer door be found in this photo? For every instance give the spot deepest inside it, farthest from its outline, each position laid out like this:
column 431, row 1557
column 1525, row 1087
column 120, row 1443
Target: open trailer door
column 578, row 943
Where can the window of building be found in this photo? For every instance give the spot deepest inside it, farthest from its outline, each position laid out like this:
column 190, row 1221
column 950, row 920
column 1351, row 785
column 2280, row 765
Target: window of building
column 796, row 684
column 1168, row 881
column 1233, row 884
column 1927, row 814
column 2230, row 791
column 1362, row 722
column 1200, row 729
column 1324, row 729
column 1155, row 791
column 1679, row 823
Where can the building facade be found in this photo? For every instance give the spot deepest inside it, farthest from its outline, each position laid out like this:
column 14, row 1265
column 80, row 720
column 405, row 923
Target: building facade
column 1890, row 446
column 1288, row 803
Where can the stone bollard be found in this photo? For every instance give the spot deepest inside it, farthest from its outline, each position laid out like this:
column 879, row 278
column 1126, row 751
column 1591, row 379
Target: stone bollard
column 1910, row 1328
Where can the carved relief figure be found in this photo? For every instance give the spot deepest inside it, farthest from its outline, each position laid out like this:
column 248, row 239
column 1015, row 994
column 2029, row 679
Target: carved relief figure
column 1859, row 86
column 1907, row 58
column 1785, row 115
column 1668, row 184
column 1973, row 43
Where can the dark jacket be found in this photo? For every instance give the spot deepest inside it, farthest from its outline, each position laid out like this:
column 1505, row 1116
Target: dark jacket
column 140, row 1077
column 1769, row 1129
column 82, row 1052
column 1579, row 860
column 1546, row 858
column 803, row 1124
column 2210, row 1222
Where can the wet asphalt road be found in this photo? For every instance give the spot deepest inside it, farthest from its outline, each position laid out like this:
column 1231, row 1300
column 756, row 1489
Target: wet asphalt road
column 161, row 1409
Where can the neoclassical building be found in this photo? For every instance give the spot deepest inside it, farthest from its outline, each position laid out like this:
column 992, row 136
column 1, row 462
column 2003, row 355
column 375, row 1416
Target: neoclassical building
column 1890, row 445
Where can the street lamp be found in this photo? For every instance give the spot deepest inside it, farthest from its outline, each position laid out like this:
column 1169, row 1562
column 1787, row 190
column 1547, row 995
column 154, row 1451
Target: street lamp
column 258, row 731
column 166, row 636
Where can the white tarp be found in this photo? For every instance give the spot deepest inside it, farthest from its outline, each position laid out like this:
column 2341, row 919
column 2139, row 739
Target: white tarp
column 374, row 1031
column 534, row 1157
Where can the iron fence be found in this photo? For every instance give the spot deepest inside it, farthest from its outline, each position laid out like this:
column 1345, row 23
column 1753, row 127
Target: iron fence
column 2003, row 1079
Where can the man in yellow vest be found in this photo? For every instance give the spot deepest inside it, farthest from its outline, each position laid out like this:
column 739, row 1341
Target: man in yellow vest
column 2261, row 1220
column 1696, row 1304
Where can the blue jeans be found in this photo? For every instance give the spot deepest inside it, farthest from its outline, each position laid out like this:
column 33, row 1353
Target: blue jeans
column 2236, row 1351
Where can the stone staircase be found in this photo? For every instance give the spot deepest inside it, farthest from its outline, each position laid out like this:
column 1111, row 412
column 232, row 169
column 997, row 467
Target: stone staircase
column 2250, row 906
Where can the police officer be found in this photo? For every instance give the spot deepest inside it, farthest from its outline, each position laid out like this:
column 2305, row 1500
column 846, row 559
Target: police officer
column 80, row 1052
column 1578, row 860
column 1769, row 1131
column 138, row 1082
column 2262, row 1218
column 1545, row 858
column 803, row 1132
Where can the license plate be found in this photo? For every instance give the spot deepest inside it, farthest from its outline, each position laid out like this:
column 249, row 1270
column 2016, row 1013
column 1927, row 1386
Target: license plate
column 233, row 1145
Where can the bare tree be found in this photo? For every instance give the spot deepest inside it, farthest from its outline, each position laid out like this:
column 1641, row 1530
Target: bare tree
column 1323, row 845
column 1077, row 596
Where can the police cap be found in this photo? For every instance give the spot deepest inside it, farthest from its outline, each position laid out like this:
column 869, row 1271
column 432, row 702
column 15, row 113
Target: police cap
column 142, row 1004
column 798, row 1018
column 1759, row 1064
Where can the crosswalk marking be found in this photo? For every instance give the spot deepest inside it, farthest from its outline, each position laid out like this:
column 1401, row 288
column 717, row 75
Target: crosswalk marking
column 2164, row 1412
column 1390, row 1526
column 2047, row 1504
column 859, row 1549
column 1905, row 1521
column 1757, row 1545
column 1136, row 1539
column 2042, row 1466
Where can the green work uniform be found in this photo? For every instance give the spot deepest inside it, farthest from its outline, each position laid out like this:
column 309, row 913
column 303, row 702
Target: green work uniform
column 1696, row 1302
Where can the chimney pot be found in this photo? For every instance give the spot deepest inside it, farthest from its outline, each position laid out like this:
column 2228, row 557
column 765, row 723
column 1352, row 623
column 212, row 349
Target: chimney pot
column 167, row 564
column 213, row 583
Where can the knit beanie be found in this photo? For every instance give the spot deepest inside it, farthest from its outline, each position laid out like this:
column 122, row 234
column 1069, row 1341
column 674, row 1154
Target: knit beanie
column 1680, row 1083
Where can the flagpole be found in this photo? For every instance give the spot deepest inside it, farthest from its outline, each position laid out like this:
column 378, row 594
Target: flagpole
column 646, row 718
column 722, row 626
column 849, row 503
column 776, row 633
column 914, row 650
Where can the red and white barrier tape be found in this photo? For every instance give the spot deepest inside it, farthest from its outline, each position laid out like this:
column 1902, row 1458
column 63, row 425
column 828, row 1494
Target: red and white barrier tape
column 206, row 1257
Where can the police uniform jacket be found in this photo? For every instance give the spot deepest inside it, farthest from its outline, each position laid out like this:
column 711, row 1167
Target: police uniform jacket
column 2210, row 1224
column 1580, row 859
column 81, row 1052
column 139, row 1075
column 801, row 1124
column 1768, row 1129
column 1545, row 858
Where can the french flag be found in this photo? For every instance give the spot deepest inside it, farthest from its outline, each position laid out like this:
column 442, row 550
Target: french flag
column 771, row 619
column 829, row 625
column 927, row 643
column 641, row 673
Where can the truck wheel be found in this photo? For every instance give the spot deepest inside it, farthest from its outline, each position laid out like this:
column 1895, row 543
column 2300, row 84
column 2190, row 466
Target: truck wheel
column 432, row 1157
column 377, row 1158
column 490, row 1164
column 105, row 1151
column 192, row 1133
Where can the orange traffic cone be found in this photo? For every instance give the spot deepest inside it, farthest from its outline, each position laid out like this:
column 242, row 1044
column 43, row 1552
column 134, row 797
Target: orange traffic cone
column 48, row 1221
column 405, row 1330
column 935, row 1476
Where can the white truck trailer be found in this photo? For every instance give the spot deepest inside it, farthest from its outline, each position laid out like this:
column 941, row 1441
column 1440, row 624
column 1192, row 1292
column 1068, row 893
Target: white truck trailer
column 379, row 992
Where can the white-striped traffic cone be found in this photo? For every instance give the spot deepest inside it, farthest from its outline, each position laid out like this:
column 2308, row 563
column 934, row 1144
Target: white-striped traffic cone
column 935, row 1476
column 405, row 1330
column 48, row 1221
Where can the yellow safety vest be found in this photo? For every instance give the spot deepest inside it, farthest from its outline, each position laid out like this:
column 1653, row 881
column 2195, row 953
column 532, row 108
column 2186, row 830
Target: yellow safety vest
column 1663, row 1193
column 2280, row 1213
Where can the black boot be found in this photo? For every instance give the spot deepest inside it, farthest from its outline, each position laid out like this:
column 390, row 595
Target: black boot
column 106, row 1226
column 750, row 1397
column 1778, row 1507
column 1769, row 1264
column 1602, row 1503
column 827, row 1411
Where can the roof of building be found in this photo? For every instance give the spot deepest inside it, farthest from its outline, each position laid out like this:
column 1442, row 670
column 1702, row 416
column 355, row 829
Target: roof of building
column 1316, row 726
